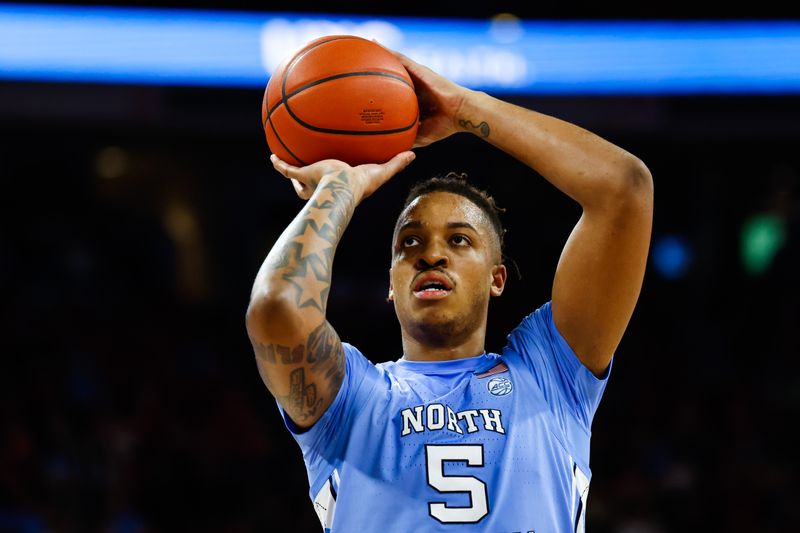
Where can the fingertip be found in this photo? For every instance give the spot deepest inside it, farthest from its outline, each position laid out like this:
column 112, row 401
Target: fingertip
column 403, row 158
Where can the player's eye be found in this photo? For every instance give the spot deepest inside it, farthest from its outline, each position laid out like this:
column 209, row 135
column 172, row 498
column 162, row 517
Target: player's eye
column 409, row 241
column 460, row 240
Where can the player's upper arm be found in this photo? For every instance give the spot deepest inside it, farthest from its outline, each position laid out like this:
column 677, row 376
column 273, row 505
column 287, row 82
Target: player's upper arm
column 601, row 269
column 301, row 363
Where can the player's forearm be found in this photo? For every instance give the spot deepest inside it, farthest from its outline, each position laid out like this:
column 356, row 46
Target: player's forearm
column 581, row 164
column 296, row 275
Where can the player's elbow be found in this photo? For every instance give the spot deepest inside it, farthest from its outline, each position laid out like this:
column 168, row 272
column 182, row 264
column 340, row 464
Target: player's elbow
column 633, row 190
column 270, row 318
column 641, row 185
column 640, row 180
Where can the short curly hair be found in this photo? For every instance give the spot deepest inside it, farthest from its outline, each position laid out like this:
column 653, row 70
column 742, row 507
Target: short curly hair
column 456, row 183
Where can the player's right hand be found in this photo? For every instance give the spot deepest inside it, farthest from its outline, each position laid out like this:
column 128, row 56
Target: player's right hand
column 440, row 101
column 362, row 179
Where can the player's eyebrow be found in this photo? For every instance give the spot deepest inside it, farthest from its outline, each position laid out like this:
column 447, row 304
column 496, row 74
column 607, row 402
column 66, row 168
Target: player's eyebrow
column 467, row 225
column 410, row 224
column 416, row 224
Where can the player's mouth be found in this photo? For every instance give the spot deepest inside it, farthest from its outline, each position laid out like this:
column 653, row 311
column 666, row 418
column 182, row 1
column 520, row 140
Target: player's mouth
column 432, row 285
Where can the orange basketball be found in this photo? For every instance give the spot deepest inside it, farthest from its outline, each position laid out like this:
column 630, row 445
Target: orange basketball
column 340, row 97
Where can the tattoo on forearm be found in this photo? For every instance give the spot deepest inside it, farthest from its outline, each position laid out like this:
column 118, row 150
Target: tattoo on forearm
column 306, row 259
column 322, row 354
column 483, row 127
column 303, row 258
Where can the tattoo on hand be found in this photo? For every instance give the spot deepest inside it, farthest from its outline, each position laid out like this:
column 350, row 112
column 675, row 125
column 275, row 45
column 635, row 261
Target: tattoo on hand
column 483, row 127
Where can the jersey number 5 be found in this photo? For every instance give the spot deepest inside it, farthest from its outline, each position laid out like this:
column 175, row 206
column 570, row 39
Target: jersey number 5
column 472, row 454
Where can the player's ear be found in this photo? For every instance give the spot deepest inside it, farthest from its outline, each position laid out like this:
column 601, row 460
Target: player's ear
column 391, row 289
column 499, row 276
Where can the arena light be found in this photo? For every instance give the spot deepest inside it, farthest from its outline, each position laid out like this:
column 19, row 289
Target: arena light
column 672, row 256
column 506, row 55
column 762, row 237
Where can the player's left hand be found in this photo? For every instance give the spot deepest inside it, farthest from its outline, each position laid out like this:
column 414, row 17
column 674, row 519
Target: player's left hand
column 439, row 101
column 363, row 180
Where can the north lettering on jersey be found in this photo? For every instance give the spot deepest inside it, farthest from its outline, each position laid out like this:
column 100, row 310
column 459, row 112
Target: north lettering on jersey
column 437, row 416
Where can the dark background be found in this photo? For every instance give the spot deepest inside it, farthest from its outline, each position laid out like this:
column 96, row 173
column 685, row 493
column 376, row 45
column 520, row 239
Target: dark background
column 135, row 218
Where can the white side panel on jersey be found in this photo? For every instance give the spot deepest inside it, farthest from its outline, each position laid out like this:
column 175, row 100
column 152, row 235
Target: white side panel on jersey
column 580, row 493
column 325, row 502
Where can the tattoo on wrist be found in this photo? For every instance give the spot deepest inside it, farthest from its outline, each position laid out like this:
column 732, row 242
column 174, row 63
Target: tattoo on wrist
column 483, row 127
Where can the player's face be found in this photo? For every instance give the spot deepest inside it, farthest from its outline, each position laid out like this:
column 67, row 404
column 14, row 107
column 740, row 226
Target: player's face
column 445, row 267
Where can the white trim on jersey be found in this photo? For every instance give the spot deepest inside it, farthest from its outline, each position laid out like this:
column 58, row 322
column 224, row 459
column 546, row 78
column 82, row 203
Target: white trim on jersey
column 325, row 501
column 580, row 493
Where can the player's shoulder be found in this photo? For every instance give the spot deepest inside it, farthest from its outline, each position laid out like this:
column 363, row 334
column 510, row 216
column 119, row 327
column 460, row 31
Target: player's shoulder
column 356, row 356
column 544, row 312
column 534, row 324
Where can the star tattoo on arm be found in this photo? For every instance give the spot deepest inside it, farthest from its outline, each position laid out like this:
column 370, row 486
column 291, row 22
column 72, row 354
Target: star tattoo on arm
column 307, row 259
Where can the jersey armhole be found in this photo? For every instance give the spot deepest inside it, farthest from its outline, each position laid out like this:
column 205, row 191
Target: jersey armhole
column 567, row 349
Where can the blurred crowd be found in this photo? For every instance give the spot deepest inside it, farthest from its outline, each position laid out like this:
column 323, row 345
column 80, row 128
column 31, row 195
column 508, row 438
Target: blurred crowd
column 131, row 401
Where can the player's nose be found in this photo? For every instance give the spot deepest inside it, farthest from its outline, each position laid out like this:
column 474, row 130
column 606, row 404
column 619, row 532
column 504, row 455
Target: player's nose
column 433, row 255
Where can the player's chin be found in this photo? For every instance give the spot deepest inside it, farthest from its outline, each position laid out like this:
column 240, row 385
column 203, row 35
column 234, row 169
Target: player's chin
column 437, row 328
column 435, row 314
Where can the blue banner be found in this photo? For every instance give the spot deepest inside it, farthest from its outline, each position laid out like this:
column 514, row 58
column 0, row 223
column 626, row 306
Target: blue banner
column 501, row 55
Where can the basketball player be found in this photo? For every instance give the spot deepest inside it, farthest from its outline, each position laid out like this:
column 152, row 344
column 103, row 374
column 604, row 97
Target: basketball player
column 450, row 437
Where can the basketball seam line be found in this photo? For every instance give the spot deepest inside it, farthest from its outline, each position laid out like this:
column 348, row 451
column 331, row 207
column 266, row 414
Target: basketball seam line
column 289, row 66
column 343, row 132
column 297, row 58
column 284, row 98
column 283, row 92
column 348, row 132
column 275, row 131
column 335, row 77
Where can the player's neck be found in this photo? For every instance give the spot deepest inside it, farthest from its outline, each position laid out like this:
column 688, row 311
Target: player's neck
column 421, row 350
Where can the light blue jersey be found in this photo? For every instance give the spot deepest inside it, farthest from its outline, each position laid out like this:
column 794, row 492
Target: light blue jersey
column 492, row 443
